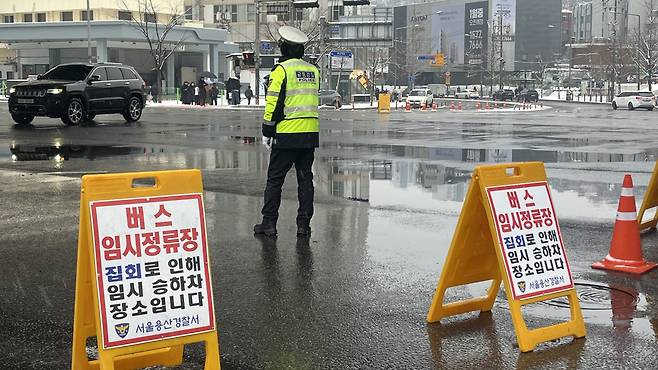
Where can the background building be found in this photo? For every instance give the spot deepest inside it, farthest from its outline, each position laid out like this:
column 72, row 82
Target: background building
column 40, row 34
column 476, row 39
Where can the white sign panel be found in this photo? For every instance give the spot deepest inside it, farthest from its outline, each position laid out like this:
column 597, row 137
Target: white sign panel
column 151, row 260
column 530, row 240
column 343, row 60
column 505, row 11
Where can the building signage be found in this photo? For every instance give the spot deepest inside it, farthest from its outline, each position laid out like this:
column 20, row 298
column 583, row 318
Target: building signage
column 341, row 59
column 151, row 263
column 475, row 32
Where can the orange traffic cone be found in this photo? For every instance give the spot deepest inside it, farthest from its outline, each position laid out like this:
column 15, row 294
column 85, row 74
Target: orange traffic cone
column 477, row 106
column 423, row 108
column 625, row 248
column 433, row 106
column 487, row 105
column 452, row 106
column 407, row 107
column 459, row 106
column 495, row 105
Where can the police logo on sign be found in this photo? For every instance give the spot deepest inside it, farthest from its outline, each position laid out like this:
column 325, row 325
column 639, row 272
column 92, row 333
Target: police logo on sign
column 521, row 285
column 122, row 329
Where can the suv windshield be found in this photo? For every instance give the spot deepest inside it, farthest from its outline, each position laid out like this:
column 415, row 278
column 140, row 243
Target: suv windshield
column 416, row 93
column 73, row 72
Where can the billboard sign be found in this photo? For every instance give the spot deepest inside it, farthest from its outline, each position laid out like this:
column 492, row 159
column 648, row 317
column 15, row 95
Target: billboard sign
column 448, row 32
column 475, row 32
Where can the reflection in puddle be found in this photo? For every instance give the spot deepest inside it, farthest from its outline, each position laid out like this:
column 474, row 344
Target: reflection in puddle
column 405, row 183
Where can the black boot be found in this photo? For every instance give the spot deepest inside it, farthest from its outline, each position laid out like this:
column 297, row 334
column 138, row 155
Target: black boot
column 265, row 228
column 303, row 230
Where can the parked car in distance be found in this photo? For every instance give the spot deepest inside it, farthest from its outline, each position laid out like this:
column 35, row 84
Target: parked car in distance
column 461, row 95
column 634, row 99
column 474, row 94
column 439, row 90
column 504, row 95
column 77, row 92
column 418, row 97
column 528, row 96
column 330, row 97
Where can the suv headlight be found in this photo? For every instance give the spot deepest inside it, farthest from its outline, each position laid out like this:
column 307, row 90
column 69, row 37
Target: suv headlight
column 58, row 90
column 12, row 90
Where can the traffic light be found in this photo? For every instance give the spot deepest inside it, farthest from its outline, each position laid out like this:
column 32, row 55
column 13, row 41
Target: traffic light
column 248, row 58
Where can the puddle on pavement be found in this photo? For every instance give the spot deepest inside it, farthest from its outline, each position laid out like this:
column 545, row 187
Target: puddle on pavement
column 621, row 307
column 413, row 182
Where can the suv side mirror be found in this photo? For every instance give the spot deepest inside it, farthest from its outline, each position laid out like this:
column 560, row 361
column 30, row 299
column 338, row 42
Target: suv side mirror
column 94, row 78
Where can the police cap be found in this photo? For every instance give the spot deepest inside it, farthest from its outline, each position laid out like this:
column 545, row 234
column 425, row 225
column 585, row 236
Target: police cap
column 292, row 35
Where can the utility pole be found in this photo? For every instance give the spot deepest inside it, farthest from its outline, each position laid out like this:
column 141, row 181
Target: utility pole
column 321, row 54
column 502, row 61
column 89, row 33
column 257, row 53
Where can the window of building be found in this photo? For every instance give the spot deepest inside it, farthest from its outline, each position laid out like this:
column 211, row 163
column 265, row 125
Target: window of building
column 0, row 74
column 234, row 13
column 41, row 17
column 10, row 75
column 27, row 18
column 299, row 14
column 83, row 15
column 337, row 11
column 251, row 12
column 188, row 12
column 66, row 16
column 125, row 15
column 8, row 19
column 150, row 18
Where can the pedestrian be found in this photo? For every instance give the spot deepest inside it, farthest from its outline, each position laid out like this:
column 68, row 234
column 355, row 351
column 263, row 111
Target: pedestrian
column 195, row 89
column 155, row 93
column 291, row 131
column 214, row 91
column 208, row 92
column 185, row 93
column 202, row 92
column 248, row 94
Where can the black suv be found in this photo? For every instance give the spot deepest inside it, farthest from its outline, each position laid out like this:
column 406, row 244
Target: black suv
column 77, row 92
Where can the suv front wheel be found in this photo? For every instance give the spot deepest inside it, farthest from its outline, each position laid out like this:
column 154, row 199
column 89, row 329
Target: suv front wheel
column 134, row 110
column 22, row 119
column 74, row 113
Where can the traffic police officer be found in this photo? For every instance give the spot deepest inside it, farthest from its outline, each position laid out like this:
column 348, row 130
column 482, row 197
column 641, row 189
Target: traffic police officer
column 290, row 130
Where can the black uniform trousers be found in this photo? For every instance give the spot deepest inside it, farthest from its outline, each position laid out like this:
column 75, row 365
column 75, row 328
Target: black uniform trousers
column 281, row 160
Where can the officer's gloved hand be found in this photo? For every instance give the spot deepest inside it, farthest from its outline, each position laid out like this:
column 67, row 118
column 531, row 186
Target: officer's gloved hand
column 267, row 142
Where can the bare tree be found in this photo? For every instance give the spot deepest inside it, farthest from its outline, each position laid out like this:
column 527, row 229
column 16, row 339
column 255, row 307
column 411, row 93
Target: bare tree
column 376, row 61
column 157, row 32
column 646, row 42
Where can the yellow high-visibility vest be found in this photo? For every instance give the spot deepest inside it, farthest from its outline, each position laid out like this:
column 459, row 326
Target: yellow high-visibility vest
column 300, row 108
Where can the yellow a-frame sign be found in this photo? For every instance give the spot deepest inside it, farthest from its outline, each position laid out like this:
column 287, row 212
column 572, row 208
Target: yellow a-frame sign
column 507, row 231
column 106, row 202
column 649, row 203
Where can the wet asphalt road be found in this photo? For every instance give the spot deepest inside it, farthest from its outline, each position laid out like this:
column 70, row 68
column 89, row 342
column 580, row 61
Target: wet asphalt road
column 389, row 189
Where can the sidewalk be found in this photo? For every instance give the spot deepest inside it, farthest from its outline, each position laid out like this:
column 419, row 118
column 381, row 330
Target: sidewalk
column 562, row 97
column 244, row 106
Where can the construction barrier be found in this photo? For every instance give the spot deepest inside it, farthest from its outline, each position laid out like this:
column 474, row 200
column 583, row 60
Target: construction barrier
column 384, row 103
column 650, row 203
column 507, row 212
column 626, row 248
column 121, row 265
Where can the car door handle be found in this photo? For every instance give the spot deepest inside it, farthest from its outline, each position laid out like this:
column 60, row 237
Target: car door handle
column 108, row 84
column 126, row 83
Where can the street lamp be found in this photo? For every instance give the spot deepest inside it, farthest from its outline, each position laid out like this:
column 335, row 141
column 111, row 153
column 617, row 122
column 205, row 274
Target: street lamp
column 637, row 47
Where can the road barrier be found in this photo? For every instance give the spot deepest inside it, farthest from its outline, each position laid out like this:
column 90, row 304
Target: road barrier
column 384, row 103
column 507, row 214
column 142, row 299
column 626, row 248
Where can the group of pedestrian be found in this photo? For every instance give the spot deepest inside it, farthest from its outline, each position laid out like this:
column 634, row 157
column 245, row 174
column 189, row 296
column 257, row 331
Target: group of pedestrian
column 200, row 94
